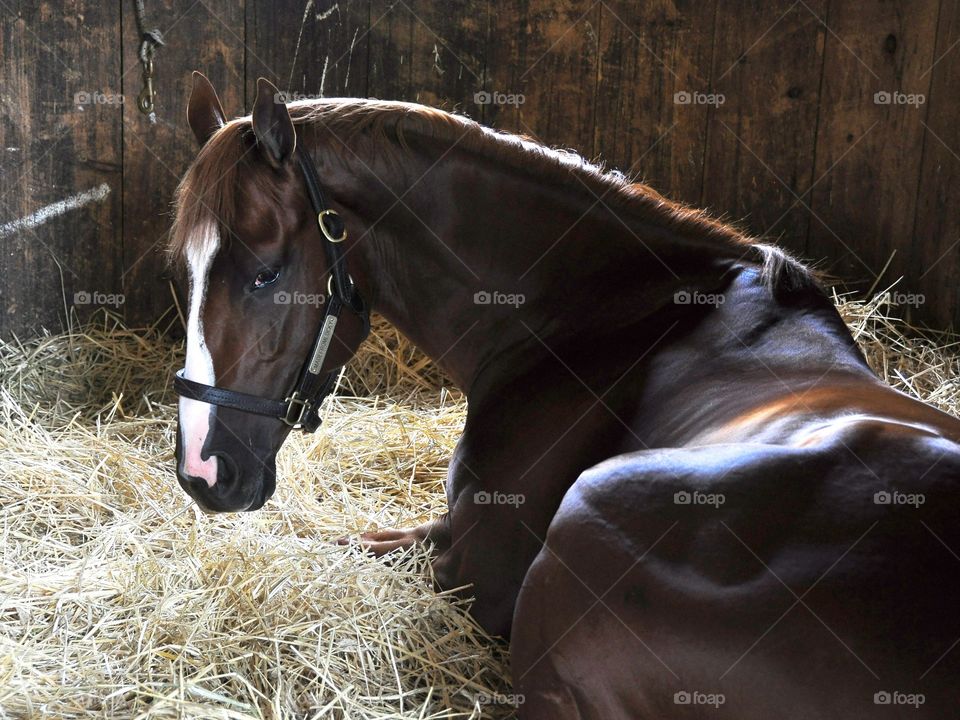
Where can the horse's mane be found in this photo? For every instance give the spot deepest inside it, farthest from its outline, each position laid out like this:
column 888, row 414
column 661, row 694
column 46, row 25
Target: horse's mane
column 208, row 193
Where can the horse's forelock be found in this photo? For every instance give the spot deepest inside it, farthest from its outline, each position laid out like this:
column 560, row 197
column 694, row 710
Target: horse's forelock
column 206, row 196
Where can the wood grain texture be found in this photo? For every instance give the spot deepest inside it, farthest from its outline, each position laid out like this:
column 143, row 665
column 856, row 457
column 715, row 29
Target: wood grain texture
column 768, row 62
column 868, row 153
column 200, row 36
column 546, row 52
column 932, row 259
column 60, row 134
column 652, row 55
column 312, row 48
column 800, row 150
column 429, row 52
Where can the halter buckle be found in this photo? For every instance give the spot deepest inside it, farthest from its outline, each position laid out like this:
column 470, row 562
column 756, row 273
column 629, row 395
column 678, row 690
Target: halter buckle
column 296, row 408
column 323, row 227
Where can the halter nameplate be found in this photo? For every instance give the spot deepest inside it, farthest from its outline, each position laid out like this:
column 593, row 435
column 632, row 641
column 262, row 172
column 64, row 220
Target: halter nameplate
column 323, row 344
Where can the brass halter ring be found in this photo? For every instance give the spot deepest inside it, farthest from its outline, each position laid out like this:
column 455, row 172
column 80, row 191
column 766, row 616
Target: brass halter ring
column 330, row 284
column 323, row 227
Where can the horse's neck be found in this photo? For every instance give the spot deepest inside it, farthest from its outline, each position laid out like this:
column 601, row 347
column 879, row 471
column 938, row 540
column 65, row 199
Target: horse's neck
column 480, row 262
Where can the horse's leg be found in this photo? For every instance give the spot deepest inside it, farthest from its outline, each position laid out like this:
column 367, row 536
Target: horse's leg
column 509, row 472
column 380, row 542
column 501, row 503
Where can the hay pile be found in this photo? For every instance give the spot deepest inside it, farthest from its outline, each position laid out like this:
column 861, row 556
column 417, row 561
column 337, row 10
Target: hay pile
column 118, row 599
column 921, row 363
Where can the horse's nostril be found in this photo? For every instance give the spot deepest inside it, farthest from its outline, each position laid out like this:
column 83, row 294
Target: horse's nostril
column 226, row 470
column 193, row 485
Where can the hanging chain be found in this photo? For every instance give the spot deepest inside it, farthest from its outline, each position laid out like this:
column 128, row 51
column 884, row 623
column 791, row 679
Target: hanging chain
column 150, row 40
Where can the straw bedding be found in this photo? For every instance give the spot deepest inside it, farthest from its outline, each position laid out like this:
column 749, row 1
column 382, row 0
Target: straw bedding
column 118, row 599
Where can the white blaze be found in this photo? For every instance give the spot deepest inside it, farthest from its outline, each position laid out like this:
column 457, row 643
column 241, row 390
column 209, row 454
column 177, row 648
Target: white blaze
column 195, row 415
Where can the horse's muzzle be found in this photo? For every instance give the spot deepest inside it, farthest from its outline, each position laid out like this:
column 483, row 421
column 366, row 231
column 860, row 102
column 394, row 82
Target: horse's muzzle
column 232, row 492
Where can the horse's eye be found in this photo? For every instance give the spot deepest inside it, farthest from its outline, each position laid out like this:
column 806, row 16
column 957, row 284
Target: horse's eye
column 264, row 278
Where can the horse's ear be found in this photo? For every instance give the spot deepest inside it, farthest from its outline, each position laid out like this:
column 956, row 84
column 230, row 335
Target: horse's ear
column 272, row 124
column 204, row 112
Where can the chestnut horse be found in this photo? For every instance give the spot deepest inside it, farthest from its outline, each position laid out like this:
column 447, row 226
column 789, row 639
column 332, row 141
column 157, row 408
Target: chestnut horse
column 680, row 490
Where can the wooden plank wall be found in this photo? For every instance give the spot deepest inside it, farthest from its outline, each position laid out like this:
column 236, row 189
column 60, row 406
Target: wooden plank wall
column 764, row 111
column 61, row 138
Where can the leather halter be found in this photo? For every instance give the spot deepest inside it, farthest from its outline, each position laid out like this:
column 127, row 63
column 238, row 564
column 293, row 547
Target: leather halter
column 301, row 407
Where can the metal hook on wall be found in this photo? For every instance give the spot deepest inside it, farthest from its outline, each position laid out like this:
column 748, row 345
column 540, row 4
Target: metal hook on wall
column 150, row 40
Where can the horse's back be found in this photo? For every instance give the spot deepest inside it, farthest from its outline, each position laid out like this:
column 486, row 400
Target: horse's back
column 813, row 580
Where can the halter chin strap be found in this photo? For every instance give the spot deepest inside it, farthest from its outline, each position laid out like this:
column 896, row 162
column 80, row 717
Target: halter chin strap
column 301, row 407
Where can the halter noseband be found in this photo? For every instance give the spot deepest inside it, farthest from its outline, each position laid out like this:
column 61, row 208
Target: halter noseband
column 301, row 408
